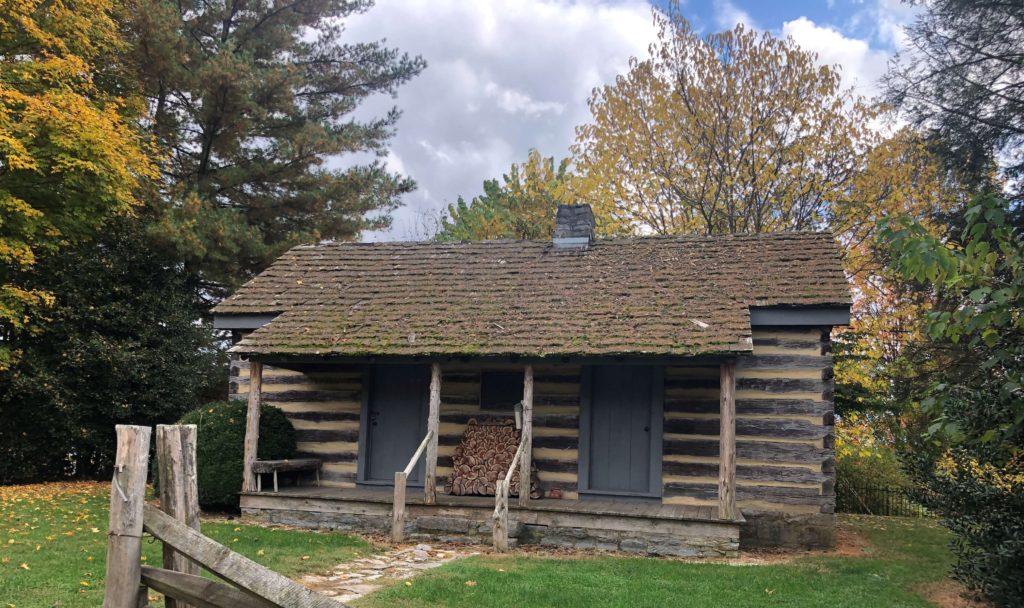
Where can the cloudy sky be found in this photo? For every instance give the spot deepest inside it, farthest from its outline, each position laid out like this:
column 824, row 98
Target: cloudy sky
column 505, row 76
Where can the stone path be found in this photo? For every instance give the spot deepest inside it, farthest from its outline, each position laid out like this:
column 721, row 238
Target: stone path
column 354, row 579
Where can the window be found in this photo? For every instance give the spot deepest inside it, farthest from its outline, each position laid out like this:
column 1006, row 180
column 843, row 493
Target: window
column 500, row 390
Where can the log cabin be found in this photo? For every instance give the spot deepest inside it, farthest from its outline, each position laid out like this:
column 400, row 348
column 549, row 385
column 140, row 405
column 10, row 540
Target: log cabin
column 660, row 395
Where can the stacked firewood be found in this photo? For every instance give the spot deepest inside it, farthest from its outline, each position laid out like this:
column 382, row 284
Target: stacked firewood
column 483, row 457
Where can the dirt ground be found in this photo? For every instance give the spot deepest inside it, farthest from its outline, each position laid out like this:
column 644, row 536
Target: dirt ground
column 949, row 594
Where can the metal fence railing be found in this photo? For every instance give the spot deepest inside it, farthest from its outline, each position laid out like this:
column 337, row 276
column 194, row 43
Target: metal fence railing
column 877, row 500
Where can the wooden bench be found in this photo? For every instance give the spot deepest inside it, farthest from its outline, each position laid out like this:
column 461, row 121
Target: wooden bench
column 295, row 465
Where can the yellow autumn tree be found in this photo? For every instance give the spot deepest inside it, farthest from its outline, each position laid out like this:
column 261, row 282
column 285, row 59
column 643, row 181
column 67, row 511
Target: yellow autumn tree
column 730, row 132
column 71, row 152
column 901, row 176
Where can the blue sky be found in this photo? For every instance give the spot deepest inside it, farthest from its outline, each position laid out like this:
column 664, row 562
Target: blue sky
column 851, row 17
column 505, row 76
column 869, row 20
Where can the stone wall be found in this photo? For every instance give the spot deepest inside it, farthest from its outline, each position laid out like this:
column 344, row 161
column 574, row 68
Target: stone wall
column 650, row 536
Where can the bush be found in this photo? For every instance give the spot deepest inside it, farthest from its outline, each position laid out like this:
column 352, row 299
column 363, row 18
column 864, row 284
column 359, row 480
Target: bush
column 983, row 505
column 220, row 447
column 119, row 345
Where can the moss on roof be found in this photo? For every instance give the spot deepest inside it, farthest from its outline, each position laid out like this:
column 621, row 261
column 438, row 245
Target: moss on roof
column 628, row 296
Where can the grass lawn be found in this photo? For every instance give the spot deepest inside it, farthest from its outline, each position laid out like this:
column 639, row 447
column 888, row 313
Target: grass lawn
column 902, row 558
column 53, row 545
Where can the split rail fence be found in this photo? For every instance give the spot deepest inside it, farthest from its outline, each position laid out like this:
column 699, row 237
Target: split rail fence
column 176, row 524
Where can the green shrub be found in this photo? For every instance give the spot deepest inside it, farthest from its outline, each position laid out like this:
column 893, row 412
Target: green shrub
column 983, row 505
column 220, row 446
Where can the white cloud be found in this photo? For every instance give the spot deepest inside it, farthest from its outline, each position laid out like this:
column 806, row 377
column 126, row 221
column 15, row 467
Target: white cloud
column 862, row 66
column 727, row 15
column 503, row 76
column 517, row 102
column 891, row 17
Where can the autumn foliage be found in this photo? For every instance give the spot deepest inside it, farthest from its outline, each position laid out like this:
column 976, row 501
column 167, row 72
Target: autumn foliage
column 737, row 131
column 71, row 153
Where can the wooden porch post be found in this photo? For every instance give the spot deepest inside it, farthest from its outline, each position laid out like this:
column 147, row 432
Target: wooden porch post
column 727, row 443
column 527, row 458
column 252, row 425
column 433, row 417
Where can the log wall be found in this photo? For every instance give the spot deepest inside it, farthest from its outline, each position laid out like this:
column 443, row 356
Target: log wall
column 784, row 427
column 322, row 402
column 785, row 443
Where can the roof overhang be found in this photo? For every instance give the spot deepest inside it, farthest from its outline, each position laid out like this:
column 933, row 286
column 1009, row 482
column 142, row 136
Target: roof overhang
column 792, row 316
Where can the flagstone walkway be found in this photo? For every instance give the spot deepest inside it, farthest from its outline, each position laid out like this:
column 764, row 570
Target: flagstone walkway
column 354, row 579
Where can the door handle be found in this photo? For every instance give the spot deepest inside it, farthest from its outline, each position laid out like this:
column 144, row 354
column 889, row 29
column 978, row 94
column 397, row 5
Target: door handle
column 647, row 429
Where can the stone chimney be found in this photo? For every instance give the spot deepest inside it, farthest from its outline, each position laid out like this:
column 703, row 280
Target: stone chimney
column 574, row 227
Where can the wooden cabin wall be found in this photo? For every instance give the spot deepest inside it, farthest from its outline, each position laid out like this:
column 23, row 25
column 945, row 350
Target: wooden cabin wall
column 322, row 402
column 785, row 444
column 784, row 427
column 555, row 420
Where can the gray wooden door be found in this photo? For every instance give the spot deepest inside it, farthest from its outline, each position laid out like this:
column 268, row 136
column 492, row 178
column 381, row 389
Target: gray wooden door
column 622, row 424
column 396, row 421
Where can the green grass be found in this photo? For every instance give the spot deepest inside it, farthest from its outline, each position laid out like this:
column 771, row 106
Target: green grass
column 53, row 545
column 903, row 556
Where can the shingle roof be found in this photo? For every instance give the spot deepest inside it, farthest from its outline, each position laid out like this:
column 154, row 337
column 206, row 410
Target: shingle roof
column 629, row 296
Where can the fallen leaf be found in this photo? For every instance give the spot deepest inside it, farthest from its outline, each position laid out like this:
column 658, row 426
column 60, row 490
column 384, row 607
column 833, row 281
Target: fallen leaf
column 24, row 566
column 305, row 557
column 408, row 583
column 84, row 583
column 260, row 553
column 471, row 583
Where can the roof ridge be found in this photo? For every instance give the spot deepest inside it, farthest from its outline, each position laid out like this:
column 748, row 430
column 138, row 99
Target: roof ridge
column 780, row 234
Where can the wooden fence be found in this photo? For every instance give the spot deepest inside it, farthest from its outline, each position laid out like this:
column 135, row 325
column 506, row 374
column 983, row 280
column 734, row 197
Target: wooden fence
column 176, row 524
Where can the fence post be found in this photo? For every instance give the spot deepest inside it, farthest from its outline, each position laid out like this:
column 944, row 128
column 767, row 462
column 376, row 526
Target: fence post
column 179, row 494
column 124, row 534
column 398, row 508
column 500, row 517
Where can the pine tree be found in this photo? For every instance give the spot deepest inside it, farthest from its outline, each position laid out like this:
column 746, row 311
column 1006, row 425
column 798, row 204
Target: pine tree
column 253, row 103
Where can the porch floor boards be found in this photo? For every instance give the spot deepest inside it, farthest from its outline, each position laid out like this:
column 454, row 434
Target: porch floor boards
column 643, row 509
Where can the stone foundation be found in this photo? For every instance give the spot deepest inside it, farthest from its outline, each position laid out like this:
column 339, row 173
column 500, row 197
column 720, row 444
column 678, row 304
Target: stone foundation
column 724, row 545
column 766, row 529
column 647, row 536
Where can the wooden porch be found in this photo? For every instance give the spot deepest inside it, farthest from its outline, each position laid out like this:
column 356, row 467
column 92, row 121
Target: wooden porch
column 644, row 526
column 601, row 517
